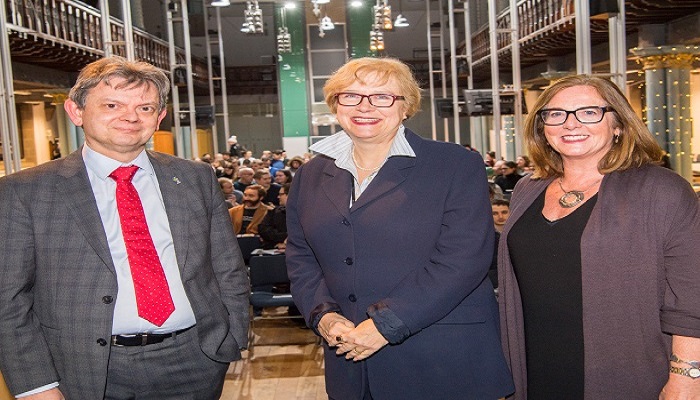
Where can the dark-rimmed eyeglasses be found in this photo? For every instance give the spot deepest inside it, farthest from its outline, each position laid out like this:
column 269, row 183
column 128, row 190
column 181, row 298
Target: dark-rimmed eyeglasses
column 377, row 100
column 584, row 115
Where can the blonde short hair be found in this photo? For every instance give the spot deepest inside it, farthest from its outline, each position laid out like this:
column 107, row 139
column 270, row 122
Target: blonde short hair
column 374, row 71
column 636, row 146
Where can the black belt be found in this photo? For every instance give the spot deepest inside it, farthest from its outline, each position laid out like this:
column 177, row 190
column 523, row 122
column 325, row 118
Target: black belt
column 144, row 339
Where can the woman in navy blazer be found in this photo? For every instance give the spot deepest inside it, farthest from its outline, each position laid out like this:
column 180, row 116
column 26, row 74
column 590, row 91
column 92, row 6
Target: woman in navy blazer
column 390, row 239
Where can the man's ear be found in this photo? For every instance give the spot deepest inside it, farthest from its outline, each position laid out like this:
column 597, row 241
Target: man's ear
column 75, row 113
column 161, row 116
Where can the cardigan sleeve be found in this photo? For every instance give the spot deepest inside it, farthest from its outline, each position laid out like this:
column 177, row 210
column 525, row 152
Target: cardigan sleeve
column 680, row 314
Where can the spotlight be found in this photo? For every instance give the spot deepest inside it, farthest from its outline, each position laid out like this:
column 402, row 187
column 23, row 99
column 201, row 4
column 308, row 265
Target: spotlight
column 401, row 21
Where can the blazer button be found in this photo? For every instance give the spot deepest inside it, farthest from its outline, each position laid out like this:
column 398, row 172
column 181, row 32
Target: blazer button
column 352, row 298
column 346, row 222
column 107, row 299
column 348, row 261
column 101, row 342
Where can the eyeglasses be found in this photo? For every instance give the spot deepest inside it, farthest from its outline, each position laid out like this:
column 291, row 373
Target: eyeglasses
column 377, row 100
column 584, row 115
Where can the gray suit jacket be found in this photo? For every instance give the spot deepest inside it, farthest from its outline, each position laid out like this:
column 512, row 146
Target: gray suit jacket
column 57, row 279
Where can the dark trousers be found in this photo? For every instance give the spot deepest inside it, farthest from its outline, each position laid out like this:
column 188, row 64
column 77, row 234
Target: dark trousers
column 173, row 369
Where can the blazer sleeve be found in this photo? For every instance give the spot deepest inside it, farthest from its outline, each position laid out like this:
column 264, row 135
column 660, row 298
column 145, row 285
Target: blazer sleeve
column 25, row 358
column 308, row 285
column 459, row 263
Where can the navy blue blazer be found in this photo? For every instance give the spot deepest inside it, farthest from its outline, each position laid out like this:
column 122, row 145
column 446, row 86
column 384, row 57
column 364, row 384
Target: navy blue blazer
column 415, row 249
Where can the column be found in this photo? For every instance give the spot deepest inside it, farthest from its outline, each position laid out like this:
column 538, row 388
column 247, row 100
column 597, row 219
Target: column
column 667, row 112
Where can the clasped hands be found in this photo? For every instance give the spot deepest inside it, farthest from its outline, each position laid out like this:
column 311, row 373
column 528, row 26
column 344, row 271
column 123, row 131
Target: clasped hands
column 356, row 342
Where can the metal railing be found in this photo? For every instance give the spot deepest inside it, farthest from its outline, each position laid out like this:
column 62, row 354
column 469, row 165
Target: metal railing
column 536, row 18
column 71, row 24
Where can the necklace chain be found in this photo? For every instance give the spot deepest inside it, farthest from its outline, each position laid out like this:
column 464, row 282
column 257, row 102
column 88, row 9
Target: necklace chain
column 361, row 167
column 572, row 198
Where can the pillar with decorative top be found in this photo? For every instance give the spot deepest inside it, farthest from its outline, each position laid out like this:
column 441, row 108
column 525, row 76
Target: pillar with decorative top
column 667, row 112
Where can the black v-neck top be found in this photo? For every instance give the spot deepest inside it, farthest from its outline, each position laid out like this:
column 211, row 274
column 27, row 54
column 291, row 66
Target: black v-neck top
column 546, row 257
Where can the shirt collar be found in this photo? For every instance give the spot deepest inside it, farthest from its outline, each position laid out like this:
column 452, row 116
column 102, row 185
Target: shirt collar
column 339, row 146
column 102, row 165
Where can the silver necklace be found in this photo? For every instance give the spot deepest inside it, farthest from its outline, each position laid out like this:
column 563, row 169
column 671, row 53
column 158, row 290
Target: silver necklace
column 361, row 167
column 572, row 198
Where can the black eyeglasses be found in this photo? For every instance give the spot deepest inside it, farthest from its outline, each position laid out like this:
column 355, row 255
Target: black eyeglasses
column 377, row 100
column 584, row 115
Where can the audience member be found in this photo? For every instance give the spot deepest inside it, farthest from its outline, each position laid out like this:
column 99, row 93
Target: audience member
column 277, row 162
column 247, row 155
column 231, row 195
column 273, row 228
column 283, row 176
column 245, row 179
column 490, row 158
column 509, row 178
column 294, row 164
column 247, row 216
column 234, row 149
column 262, row 177
column 501, row 211
column 524, row 165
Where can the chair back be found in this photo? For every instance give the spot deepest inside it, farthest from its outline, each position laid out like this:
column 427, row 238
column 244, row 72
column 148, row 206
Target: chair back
column 247, row 244
column 267, row 270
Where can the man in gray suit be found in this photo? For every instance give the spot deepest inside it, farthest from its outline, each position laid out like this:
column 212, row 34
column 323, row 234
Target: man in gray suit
column 72, row 316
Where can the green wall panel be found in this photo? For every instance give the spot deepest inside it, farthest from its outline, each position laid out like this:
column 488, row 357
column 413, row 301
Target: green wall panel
column 293, row 87
column 359, row 22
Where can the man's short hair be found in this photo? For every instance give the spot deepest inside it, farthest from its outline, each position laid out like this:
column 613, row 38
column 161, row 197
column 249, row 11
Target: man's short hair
column 261, row 190
column 135, row 74
column 500, row 202
column 259, row 173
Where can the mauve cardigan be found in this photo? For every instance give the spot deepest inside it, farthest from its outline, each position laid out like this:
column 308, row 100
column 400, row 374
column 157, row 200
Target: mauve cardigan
column 640, row 253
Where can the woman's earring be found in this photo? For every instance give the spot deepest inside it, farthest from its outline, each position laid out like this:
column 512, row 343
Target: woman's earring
column 617, row 139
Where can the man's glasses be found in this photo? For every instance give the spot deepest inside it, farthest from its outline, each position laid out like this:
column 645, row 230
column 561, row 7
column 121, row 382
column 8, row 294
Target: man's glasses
column 584, row 115
column 377, row 100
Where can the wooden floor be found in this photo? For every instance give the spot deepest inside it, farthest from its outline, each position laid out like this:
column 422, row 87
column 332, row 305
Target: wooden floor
column 285, row 363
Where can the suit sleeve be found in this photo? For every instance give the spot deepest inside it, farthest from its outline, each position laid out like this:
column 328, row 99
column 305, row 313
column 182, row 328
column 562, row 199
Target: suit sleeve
column 308, row 286
column 458, row 265
column 25, row 359
column 228, row 265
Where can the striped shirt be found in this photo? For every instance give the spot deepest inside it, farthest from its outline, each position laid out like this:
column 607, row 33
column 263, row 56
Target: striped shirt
column 339, row 147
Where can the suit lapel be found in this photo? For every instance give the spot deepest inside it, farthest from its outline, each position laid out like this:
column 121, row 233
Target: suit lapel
column 77, row 193
column 392, row 174
column 173, row 187
column 337, row 185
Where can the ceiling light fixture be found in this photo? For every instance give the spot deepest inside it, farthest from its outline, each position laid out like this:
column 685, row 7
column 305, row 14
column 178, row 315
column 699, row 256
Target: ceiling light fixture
column 220, row 3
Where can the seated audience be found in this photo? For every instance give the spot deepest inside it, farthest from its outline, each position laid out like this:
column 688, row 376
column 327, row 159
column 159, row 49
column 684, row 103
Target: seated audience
column 273, row 228
column 262, row 177
column 247, row 216
column 283, row 176
column 501, row 211
column 245, row 179
column 510, row 177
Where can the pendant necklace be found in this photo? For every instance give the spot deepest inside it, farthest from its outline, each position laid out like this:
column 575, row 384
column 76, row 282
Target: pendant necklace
column 572, row 198
column 361, row 167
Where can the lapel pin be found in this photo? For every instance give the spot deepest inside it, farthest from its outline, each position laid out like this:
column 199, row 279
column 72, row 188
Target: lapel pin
column 176, row 180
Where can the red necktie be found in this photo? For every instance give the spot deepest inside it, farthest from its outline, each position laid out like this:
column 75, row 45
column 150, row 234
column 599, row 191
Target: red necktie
column 153, row 299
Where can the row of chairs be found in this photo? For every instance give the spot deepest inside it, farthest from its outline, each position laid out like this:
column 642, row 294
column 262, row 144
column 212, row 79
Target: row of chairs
column 266, row 273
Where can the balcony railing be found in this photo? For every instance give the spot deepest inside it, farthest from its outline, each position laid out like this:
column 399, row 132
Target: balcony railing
column 537, row 20
column 50, row 30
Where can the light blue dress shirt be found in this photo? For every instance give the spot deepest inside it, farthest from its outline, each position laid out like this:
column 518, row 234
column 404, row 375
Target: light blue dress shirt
column 126, row 320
